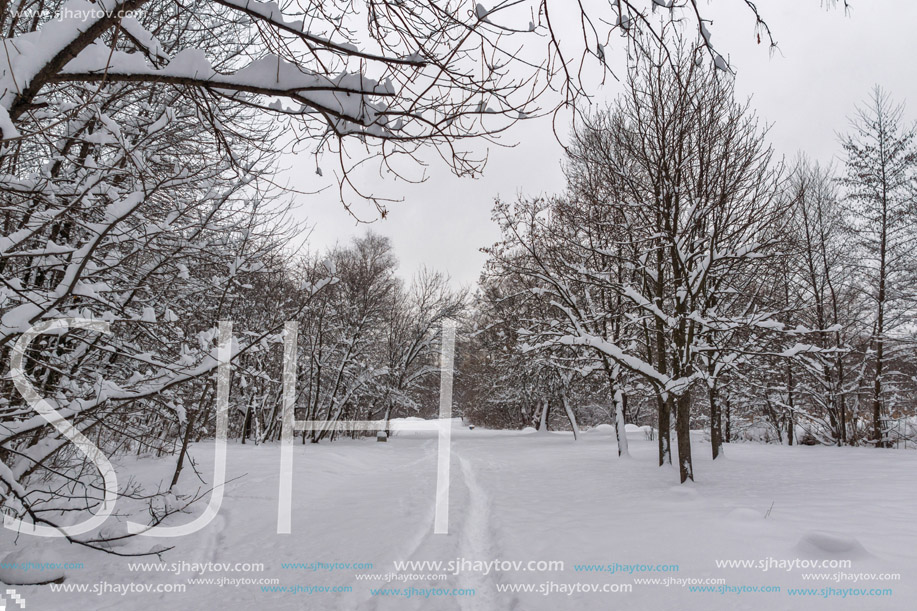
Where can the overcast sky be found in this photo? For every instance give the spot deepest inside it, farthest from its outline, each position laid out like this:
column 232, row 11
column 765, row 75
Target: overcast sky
column 826, row 64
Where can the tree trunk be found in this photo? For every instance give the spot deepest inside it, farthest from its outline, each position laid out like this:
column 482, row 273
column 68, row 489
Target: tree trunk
column 790, row 401
column 186, row 439
column 842, row 406
column 683, row 432
column 570, row 416
column 387, row 417
column 716, row 423
column 664, row 406
column 664, row 423
column 247, row 422
column 185, row 442
column 877, row 433
column 620, row 403
column 543, row 424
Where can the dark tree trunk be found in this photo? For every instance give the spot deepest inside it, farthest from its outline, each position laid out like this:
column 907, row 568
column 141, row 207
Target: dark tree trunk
column 185, row 442
column 877, row 433
column 790, row 424
column 247, row 423
column 683, row 432
column 842, row 406
column 664, row 423
column 716, row 423
column 186, row 439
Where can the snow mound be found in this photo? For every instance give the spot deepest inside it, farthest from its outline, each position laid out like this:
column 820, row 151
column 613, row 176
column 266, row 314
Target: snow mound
column 639, row 432
column 162, row 504
column 633, row 431
column 423, row 427
column 821, row 543
column 529, row 429
column 744, row 514
column 31, row 566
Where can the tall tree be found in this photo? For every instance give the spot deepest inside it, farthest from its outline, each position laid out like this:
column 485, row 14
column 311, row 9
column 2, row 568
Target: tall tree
column 690, row 171
column 881, row 183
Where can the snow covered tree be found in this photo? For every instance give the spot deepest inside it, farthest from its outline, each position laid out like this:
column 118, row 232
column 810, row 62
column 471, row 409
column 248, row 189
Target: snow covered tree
column 688, row 168
column 650, row 260
column 412, row 339
column 554, row 249
column 496, row 384
column 138, row 139
column 881, row 188
column 824, row 295
column 123, row 202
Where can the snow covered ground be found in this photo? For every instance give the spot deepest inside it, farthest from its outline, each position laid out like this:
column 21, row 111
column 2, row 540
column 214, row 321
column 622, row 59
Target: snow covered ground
column 527, row 498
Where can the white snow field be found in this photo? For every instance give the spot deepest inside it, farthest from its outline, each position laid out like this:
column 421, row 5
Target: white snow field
column 531, row 499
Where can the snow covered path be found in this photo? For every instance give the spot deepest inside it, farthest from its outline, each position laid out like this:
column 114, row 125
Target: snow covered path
column 529, row 498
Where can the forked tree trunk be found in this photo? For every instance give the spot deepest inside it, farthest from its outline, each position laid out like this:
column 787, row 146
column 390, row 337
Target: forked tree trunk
column 683, row 432
column 543, row 423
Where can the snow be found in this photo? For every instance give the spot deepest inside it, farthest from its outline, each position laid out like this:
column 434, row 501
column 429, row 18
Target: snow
column 22, row 61
column 524, row 497
column 721, row 63
column 705, row 33
column 823, row 544
column 31, row 565
column 798, row 349
column 349, row 94
column 144, row 37
column 7, row 129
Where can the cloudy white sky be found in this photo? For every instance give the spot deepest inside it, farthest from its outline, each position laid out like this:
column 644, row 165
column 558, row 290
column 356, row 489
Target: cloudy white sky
column 827, row 63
